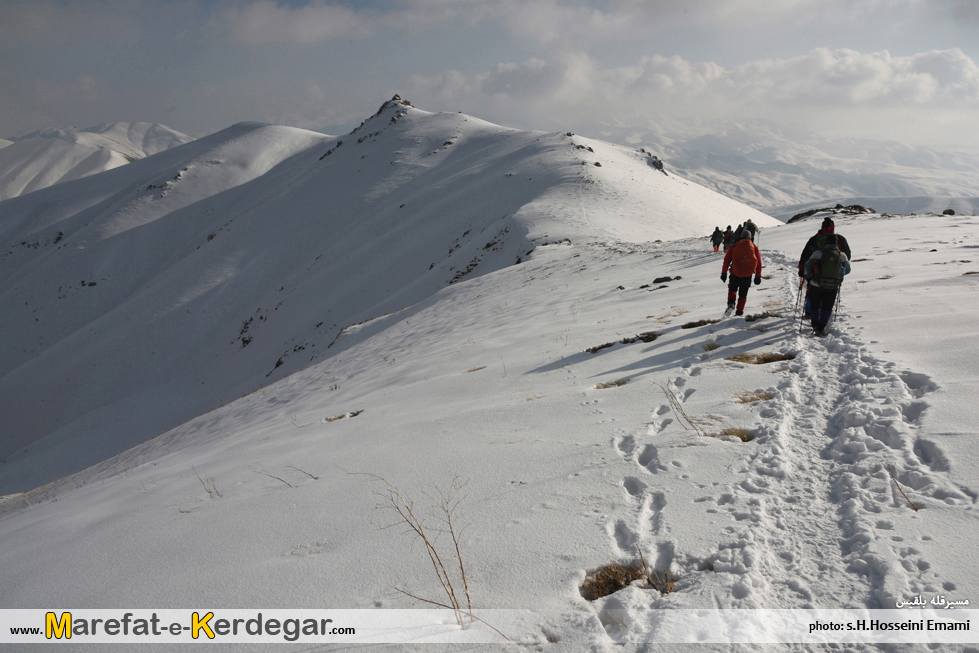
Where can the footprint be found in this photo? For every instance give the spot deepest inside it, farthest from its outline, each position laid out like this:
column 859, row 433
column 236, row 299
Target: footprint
column 633, row 485
column 687, row 393
column 649, row 458
column 931, row 455
column 627, row 445
column 665, row 553
column 624, row 537
column 659, row 502
column 912, row 412
column 918, row 384
column 662, row 410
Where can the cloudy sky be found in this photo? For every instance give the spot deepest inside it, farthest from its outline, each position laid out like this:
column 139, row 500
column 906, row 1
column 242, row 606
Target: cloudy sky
column 897, row 69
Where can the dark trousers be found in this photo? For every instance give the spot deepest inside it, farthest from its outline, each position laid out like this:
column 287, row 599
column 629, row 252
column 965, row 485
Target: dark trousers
column 738, row 287
column 821, row 306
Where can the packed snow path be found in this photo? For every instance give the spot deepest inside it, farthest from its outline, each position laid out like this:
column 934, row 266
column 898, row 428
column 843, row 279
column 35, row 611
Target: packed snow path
column 815, row 498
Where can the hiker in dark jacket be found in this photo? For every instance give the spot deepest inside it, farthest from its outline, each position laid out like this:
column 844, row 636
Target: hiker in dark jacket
column 728, row 238
column 817, row 242
column 717, row 238
column 750, row 226
column 825, row 270
column 744, row 259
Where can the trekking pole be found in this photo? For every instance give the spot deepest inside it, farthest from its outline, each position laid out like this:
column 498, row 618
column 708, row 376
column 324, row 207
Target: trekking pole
column 798, row 302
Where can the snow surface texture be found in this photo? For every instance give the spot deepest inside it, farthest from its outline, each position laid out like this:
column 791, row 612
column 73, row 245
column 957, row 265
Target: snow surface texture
column 573, row 459
column 49, row 157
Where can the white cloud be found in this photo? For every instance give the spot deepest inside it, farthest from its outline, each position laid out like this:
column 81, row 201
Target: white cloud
column 821, row 77
column 44, row 23
column 574, row 89
column 265, row 22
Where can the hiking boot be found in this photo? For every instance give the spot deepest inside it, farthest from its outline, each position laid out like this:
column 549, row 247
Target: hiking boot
column 739, row 312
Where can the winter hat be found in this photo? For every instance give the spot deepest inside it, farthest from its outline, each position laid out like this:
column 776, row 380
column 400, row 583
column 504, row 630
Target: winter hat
column 828, row 225
column 729, row 227
column 746, row 234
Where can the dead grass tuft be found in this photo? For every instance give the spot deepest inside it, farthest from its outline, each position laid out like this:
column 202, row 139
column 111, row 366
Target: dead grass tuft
column 327, row 420
column 760, row 316
column 699, row 323
column 475, row 369
column 611, row 384
column 595, row 350
column 646, row 336
column 746, row 397
column 676, row 311
column 616, row 576
column 610, row 579
column 740, row 433
column 711, row 346
column 760, row 359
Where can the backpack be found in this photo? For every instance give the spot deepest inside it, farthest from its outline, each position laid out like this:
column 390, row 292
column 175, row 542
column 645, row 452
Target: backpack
column 744, row 260
column 828, row 271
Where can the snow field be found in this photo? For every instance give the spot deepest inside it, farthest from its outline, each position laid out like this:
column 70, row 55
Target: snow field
column 271, row 500
column 489, row 381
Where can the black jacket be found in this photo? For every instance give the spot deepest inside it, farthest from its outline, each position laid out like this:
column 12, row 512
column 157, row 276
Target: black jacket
column 813, row 245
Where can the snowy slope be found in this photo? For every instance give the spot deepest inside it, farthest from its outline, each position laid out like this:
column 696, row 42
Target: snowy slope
column 156, row 292
column 49, row 157
column 268, row 502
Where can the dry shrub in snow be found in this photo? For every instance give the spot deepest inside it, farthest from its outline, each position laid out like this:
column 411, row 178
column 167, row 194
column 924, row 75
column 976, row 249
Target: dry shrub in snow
column 698, row 323
column 747, row 397
column 760, row 359
column 616, row 576
column 739, row 432
column 611, row 384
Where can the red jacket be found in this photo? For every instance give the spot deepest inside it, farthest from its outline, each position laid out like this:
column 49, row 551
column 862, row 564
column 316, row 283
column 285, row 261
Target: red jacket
column 744, row 259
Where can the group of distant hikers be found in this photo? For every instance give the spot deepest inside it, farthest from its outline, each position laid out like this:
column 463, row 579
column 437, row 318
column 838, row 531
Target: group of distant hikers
column 824, row 262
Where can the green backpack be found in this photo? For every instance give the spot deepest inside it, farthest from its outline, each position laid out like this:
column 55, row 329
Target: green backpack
column 829, row 269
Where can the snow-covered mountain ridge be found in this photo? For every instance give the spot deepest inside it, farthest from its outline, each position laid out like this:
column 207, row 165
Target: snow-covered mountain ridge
column 51, row 156
column 141, row 298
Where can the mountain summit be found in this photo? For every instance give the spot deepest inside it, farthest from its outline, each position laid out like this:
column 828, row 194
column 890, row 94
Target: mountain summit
column 141, row 298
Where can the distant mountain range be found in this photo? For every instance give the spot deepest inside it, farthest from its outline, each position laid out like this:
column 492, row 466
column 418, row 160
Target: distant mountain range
column 778, row 169
column 782, row 170
column 48, row 157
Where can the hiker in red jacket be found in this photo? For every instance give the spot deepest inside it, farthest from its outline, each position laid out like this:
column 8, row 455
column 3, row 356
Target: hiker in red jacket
column 743, row 259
